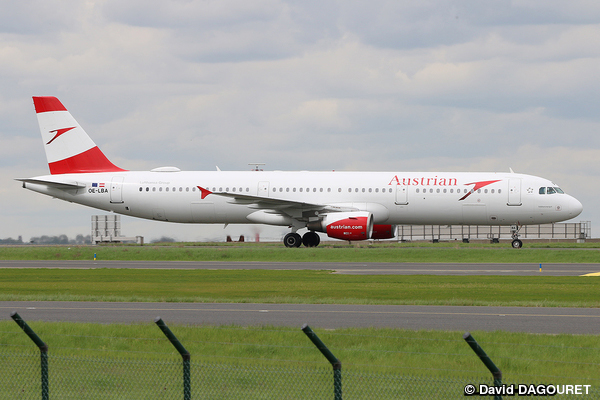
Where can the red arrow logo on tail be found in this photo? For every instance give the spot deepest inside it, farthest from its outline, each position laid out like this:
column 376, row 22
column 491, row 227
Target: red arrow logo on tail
column 59, row 132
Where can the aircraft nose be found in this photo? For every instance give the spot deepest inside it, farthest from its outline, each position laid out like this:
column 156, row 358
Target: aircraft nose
column 575, row 207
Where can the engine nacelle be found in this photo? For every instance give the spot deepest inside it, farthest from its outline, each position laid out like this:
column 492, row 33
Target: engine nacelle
column 355, row 225
column 383, row 232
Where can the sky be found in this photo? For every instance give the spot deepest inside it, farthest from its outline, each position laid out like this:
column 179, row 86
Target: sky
column 300, row 85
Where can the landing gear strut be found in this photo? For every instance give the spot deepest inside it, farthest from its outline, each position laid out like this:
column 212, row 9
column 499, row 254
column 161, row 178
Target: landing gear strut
column 514, row 230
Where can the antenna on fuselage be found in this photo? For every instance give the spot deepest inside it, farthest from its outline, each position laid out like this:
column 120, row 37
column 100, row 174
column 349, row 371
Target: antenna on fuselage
column 256, row 166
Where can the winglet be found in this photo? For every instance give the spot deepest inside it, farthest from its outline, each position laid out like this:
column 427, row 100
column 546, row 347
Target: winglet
column 205, row 192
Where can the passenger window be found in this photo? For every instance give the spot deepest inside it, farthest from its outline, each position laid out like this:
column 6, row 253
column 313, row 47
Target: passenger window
column 417, row 190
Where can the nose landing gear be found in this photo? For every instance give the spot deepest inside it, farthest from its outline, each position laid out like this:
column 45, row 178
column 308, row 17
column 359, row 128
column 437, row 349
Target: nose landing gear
column 514, row 230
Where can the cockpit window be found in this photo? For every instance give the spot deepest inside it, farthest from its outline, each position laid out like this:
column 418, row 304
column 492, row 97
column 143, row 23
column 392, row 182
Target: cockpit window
column 551, row 190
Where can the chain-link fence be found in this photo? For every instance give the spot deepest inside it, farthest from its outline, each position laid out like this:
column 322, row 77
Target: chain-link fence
column 85, row 378
column 28, row 374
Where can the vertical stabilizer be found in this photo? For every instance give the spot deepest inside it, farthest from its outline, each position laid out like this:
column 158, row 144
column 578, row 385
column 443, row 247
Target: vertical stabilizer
column 68, row 148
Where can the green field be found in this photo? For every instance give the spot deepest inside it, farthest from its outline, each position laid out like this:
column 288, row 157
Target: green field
column 96, row 358
column 438, row 353
column 328, row 252
column 264, row 286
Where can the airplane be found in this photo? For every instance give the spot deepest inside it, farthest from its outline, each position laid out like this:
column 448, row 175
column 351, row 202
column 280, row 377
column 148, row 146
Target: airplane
column 350, row 206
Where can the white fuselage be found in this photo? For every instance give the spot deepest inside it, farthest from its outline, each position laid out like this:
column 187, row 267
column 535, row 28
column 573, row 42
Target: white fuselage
column 444, row 198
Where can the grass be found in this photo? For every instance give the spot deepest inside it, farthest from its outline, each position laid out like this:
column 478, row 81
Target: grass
column 522, row 357
column 340, row 252
column 265, row 286
column 91, row 360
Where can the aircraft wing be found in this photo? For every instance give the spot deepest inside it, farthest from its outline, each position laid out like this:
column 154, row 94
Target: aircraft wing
column 52, row 183
column 293, row 208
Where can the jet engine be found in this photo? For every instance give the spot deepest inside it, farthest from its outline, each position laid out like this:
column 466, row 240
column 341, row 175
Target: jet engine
column 355, row 225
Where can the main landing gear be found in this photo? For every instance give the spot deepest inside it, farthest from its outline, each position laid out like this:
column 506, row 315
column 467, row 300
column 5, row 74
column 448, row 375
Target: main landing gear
column 309, row 239
column 514, row 230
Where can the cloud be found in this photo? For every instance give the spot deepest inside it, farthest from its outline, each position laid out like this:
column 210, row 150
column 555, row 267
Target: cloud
column 304, row 85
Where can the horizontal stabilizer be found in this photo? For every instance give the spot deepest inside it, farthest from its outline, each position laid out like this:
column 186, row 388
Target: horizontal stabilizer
column 52, row 183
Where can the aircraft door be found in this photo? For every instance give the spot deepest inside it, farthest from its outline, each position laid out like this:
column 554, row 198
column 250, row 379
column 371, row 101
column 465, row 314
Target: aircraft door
column 116, row 189
column 514, row 192
column 263, row 189
column 401, row 195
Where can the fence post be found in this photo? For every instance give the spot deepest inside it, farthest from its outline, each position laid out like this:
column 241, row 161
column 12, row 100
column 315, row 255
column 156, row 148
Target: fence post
column 43, row 351
column 496, row 373
column 185, row 355
column 335, row 363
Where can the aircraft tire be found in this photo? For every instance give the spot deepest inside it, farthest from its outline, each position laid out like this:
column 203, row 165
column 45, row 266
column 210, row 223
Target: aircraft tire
column 517, row 244
column 311, row 239
column 292, row 240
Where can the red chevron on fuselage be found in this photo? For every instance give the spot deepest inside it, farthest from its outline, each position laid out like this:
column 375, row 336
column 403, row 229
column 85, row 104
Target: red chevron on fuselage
column 478, row 185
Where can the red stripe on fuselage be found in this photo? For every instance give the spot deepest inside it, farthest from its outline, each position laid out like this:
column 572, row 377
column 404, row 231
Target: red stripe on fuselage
column 92, row 160
column 47, row 103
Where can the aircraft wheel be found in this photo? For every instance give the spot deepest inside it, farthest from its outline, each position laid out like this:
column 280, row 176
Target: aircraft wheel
column 292, row 240
column 311, row 239
column 517, row 244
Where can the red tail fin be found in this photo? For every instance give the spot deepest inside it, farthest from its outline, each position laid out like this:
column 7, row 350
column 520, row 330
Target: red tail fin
column 68, row 147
